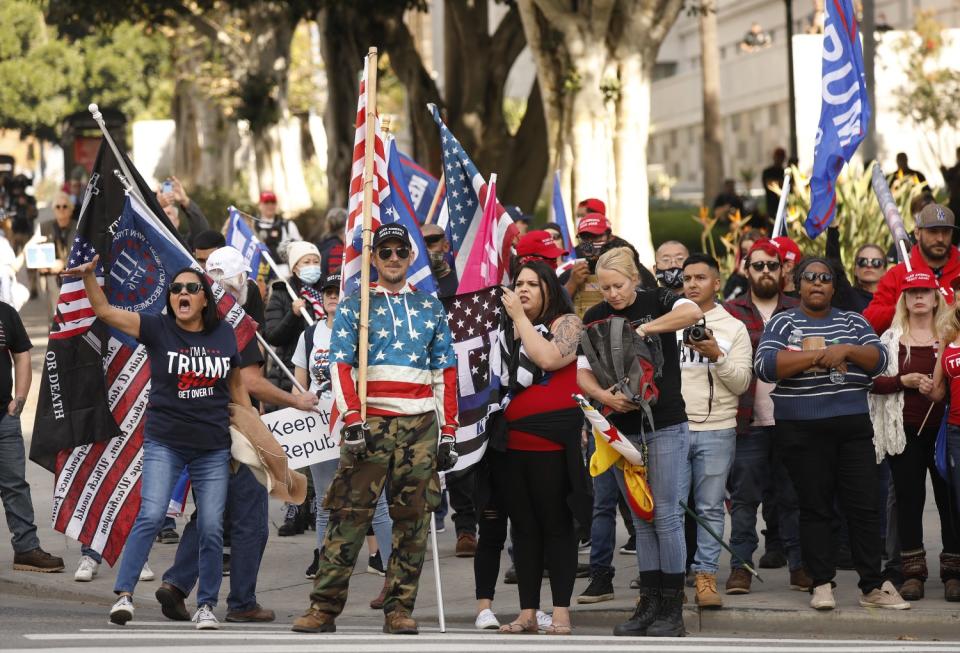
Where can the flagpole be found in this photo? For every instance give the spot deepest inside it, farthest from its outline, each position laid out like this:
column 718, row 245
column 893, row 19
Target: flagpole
column 782, row 205
column 370, row 88
column 435, row 203
column 265, row 253
column 98, row 117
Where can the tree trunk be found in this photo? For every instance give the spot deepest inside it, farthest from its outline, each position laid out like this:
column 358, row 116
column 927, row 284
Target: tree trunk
column 594, row 65
column 342, row 59
column 712, row 130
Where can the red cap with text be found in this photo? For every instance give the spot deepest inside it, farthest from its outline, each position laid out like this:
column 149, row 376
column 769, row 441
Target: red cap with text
column 593, row 223
column 919, row 279
column 789, row 250
column 539, row 243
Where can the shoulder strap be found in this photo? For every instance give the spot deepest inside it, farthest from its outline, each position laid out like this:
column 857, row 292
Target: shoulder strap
column 308, row 335
column 616, row 347
column 589, row 351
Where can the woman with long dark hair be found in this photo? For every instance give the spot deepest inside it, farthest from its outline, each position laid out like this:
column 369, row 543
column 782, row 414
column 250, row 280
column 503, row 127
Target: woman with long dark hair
column 194, row 375
column 823, row 361
column 542, row 470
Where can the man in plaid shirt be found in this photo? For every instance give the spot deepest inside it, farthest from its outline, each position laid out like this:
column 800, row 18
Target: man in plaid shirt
column 758, row 475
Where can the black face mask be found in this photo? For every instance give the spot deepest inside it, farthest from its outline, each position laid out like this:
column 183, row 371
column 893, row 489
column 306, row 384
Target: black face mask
column 671, row 278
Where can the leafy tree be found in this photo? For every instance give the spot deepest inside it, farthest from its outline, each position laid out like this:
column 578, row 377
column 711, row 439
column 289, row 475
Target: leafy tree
column 44, row 78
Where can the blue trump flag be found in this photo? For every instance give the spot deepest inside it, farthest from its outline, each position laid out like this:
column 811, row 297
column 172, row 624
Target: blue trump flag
column 421, row 186
column 397, row 206
column 844, row 112
column 560, row 216
column 241, row 237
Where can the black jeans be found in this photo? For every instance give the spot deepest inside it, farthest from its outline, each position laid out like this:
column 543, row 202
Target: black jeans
column 460, row 490
column 829, row 458
column 909, row 470
column 537, row 487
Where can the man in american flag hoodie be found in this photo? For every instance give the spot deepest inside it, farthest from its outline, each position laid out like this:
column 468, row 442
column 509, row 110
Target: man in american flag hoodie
column 411, row 383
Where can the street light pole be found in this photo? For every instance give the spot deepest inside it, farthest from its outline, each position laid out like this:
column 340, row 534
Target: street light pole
column 792, row 97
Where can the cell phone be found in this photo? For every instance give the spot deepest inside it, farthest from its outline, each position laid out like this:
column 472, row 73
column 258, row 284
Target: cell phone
column 167, row 186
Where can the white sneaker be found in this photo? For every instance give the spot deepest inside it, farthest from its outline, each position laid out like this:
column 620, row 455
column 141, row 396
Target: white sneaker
column 86, row 570
column 486, row 620
column 885, row 596
column 822, row 598
column 122, row 611
column 205, row 618
column 543, row 620
column 146, row 573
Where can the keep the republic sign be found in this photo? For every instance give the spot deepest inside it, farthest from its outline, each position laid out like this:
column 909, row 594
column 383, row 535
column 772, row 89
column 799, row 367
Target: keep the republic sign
column 304, row 436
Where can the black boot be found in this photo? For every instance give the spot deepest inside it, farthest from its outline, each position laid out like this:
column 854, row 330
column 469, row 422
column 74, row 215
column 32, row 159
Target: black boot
column 669, row 621
column 648, row 605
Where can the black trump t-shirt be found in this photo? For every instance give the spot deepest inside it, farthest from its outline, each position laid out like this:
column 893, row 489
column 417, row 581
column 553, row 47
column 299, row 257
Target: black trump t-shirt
column 13, row 340
column 189, row 393
column 648, row 306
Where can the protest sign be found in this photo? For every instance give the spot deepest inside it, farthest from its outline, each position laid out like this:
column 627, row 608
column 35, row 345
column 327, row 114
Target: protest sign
column 304, row 436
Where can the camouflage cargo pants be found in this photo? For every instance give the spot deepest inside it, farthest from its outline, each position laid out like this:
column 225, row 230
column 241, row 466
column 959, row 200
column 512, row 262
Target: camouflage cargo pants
column 403, row 453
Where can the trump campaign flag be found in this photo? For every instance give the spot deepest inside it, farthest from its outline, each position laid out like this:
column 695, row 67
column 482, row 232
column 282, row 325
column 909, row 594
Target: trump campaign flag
column 421, row 186
column 844, row 111
column 397, row 206
column 240, row 236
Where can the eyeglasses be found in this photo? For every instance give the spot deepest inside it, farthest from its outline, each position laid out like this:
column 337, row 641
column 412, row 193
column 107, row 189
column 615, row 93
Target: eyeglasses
column 772, row 266
column 386, row 252
column 432, row 240
column 863, row 262
column 60, row 206
column 824, row 277
column 192, row 287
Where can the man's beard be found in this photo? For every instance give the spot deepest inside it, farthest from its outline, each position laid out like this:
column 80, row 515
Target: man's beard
column 930, row 255
column 765, row 287
column 393, row 277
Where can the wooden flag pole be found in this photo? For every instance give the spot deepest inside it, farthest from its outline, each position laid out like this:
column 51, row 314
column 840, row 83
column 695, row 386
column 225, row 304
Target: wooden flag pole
column 368, row 144
column 435, row 204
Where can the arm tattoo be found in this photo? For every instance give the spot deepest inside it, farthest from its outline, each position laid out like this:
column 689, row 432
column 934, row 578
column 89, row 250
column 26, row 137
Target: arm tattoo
column 566, row 334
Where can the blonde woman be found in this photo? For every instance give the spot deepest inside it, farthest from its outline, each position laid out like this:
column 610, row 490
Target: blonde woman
column 656, row 315
column 905, row 424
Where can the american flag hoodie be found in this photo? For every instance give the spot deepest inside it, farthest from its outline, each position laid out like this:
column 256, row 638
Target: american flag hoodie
column 412, row 366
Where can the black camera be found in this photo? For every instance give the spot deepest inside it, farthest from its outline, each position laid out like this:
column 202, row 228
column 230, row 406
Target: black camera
column 696, row 333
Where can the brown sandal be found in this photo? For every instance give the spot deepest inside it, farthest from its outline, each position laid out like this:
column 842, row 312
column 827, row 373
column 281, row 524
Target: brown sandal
column 554, row 629
column 519, row 628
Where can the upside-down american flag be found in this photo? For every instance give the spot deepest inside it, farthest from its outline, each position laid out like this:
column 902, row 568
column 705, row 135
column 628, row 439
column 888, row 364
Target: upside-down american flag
column 96, row 381
column 353, row 241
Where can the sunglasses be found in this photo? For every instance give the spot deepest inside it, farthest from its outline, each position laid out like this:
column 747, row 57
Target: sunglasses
column 824, row 277
column 864, row 262
column 772, row 266
column 60, row 206
column 386, row 252
column 192, row 287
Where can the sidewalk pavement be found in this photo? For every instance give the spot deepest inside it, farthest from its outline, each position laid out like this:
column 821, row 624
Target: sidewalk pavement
column 771, row 608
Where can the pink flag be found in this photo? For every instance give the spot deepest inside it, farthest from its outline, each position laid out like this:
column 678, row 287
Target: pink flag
column 488, row 262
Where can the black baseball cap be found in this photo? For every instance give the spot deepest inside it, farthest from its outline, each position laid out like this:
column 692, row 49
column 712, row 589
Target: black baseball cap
column 330, row 281
column 390, row 232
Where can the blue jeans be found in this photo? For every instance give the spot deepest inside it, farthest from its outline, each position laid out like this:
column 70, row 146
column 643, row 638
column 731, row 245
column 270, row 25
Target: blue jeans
column 711, row 456
column 382, row 525
column 756, row 467
column 14, row 488
column 210, row 476
column 247, row 500
column 660, row 545
column 603, row 526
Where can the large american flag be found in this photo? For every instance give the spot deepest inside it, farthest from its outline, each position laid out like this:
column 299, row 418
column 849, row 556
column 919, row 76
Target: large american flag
column 466, row 197
column 353, row 242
